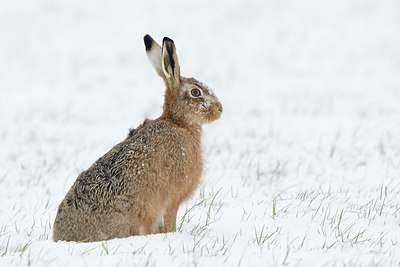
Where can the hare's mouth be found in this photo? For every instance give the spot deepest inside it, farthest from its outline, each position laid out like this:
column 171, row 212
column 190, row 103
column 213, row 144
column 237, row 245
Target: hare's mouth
column 214, row 114
column 218, row 113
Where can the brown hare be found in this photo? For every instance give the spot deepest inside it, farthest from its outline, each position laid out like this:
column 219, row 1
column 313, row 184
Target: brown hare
column 137, row 186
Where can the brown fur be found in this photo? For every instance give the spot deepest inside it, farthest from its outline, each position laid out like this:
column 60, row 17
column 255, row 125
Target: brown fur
column 136, row 187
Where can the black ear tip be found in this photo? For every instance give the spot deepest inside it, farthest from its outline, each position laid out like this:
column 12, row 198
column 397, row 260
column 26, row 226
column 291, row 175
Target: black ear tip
column 148, row 41
column 166, row 39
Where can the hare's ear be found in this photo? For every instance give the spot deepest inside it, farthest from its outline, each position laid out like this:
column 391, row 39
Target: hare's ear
column 170, row 64
column 154, row 51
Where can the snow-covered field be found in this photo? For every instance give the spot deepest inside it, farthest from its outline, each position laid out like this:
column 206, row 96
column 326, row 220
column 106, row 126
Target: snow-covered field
column 302, row 169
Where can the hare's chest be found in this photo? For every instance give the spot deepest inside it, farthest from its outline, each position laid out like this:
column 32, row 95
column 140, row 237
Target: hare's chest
column 191, row 159
column 179, row 159
column 190, row 164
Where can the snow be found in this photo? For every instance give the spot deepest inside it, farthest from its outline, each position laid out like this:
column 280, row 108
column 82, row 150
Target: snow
column 302, row 168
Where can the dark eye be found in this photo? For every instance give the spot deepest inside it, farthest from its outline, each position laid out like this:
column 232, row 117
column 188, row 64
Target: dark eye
column 195, row 92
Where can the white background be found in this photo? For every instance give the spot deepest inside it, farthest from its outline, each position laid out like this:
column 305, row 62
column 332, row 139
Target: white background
column 302, row 168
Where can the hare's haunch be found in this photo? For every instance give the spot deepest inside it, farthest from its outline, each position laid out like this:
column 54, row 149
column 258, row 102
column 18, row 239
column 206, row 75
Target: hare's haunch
column 137, row 186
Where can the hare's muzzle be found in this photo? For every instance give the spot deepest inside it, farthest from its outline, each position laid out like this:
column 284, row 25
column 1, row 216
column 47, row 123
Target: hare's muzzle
column 217, row 110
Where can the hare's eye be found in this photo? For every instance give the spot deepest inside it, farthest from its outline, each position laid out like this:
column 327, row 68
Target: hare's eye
column 195, row 92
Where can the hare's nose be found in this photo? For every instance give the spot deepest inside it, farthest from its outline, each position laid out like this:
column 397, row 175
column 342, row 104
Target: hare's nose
column 220, row 107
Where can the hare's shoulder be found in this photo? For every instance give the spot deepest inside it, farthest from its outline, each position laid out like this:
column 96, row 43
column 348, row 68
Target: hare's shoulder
column 133, row 131
column 151, row 130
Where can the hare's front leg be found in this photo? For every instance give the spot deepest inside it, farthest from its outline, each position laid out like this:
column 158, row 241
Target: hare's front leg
column 169, row 219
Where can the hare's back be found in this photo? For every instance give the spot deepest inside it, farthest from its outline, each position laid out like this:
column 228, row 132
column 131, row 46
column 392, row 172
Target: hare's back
column 152, row 155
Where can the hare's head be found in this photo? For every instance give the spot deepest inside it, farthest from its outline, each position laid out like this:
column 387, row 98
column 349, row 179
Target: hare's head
column 187, row 100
